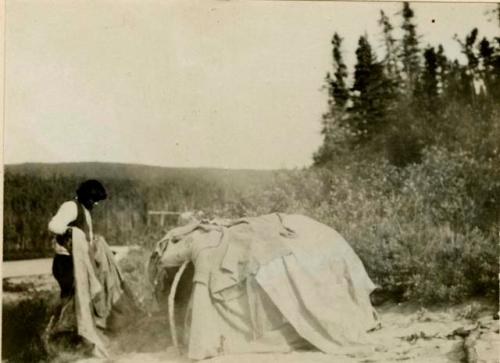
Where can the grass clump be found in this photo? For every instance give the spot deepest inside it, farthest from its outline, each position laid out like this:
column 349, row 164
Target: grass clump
column 23, row 323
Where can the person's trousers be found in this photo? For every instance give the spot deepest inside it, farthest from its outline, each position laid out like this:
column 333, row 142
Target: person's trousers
column 62, row 269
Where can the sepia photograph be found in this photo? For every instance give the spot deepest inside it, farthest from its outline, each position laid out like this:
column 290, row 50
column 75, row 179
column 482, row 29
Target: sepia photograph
column 250, row 181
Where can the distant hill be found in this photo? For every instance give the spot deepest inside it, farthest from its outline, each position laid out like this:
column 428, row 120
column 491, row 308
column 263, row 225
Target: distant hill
column 233, row 178
column 33, row 192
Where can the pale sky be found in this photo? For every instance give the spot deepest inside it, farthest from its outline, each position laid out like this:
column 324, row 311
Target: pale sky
column 184, row 83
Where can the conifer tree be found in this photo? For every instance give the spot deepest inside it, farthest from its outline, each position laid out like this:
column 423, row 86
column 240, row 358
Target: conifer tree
column 338, row 96
column 442, row 69
column 338, row 89
column 428, row 86
column 368, row 113
column 469, row 74
column 391, row 48
column 410, row 51
column 392, row 69
column 490, row 67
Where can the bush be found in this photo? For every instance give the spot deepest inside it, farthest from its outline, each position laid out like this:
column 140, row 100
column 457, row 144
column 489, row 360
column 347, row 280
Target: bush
column 22, row 326
column 427, row 232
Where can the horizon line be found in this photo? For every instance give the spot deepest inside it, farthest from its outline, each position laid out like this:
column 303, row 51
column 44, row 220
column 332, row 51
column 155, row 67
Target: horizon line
column 151, row 165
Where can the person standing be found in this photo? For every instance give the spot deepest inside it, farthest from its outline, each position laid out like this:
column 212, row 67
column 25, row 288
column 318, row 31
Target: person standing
column 73, row 213
column 64, row 326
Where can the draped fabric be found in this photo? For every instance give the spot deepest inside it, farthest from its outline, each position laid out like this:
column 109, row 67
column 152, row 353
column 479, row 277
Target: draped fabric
column 88, row 290
column 273, row 283
column 101, row 303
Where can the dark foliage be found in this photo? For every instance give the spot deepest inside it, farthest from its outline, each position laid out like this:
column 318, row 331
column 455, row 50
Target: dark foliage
column 414, row 98
column 426, row 130
column 34, row 192
column 23, row 324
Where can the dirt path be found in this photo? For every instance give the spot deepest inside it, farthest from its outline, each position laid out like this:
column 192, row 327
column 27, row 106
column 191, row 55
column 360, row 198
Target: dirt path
column 43, row 266
column 39, row 266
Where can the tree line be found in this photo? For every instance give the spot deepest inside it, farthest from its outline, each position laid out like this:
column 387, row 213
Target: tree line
column 32, row 197
column 412, row 98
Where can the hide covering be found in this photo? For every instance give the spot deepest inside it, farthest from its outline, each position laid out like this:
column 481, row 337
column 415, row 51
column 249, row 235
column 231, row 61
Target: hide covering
column 273, row 283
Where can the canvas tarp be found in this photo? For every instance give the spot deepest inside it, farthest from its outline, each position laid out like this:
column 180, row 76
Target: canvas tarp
column 101, row 301
column 273, row 283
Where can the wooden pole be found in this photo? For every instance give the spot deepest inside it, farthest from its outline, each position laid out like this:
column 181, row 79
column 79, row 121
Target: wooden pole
column 171, row 306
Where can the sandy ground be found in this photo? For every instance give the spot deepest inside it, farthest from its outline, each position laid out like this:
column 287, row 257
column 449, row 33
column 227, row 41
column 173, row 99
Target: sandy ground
column 408, row 334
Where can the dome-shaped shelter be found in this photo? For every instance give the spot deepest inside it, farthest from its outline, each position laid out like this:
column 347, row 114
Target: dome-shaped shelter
column 273, row 283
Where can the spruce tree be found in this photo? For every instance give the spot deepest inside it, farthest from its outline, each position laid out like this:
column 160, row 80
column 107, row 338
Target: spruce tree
column 442, row 69
column 428, row 89
column 338, row 96
column 391, row 48
column 410, row 51
column 469, row 73
column 392, row 72
column 337, row 86
column 490, row 67
column 368, row 113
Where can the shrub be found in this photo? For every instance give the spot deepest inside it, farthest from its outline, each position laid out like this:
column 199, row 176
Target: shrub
column 421, row 231
column 22, row 326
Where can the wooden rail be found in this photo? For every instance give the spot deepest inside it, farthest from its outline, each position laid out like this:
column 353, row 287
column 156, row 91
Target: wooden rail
column 162, row 214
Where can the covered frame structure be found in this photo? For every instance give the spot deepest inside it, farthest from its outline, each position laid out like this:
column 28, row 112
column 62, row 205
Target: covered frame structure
column 273, row 283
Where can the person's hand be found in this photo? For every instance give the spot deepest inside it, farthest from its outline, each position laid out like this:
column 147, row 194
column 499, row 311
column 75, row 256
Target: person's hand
column 67, row 233
column 65, row 239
